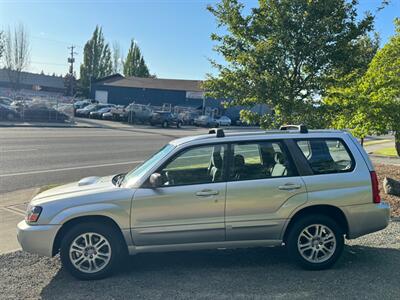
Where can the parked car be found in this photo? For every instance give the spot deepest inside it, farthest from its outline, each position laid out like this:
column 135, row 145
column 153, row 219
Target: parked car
column 43, row 114
column 85, row 112
column 99, row 113
column 138, row 113
column 304, row 189
column 117, row 113
column 165, row 119
column 6, row 101
column 224, row 121
column 188, row 117
column 107, row 116
column 81, row 103
column 8, row 113
column 206, row 121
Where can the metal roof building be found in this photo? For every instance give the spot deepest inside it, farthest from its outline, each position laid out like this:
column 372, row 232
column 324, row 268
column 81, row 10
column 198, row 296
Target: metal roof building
column 33, row 81
column 121, row 90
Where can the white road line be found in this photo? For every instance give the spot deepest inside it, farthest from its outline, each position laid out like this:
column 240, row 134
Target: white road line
column 17, row 150
column 13, row 211
column 69, row 169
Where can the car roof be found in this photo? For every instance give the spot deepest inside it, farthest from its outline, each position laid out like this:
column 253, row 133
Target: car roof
column 238, row 136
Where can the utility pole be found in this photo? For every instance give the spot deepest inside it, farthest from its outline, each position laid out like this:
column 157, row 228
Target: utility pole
column 71, row 75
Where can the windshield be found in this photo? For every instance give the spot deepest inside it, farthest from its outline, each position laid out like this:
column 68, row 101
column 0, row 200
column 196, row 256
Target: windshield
column 141, row 169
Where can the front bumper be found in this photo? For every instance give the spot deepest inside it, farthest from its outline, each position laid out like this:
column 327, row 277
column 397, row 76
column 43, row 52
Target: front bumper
column 37, row 239
column 366, row 218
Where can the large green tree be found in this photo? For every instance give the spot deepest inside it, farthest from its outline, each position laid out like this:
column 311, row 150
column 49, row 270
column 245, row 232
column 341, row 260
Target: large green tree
column 371, row 105
column 135, row 64
column 97, row 60
column 285, row 53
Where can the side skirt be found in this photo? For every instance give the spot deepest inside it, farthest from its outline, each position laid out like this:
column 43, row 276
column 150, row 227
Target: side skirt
column 202, row 246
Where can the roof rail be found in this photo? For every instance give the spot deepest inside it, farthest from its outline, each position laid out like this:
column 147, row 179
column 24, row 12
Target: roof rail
column 301, row 128
column 218, row 131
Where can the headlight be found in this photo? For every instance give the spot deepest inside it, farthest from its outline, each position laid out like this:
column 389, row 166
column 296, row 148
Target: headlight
column 32, row 214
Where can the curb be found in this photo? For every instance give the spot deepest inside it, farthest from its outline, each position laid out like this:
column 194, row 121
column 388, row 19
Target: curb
column 46, row 125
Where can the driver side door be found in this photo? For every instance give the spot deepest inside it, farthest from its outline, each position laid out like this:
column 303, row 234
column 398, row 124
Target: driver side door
column 189, row 206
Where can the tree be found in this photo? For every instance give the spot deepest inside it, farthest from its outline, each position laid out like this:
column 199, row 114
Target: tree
column 16, row 54
column 285, row 53
column 1, row 43
column 372, row 104
column 135, row 64
column 118, row 61
column 97, row 60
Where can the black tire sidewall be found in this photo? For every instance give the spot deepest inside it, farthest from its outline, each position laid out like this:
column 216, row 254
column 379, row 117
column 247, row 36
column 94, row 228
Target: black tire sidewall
column 303, row 223
column 108, row 232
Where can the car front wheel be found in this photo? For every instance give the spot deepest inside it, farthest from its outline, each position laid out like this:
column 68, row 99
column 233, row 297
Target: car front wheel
column 315, row 242
column 91, row 250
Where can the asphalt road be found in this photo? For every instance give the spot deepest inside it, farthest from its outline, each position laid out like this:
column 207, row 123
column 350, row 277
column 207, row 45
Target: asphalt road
column 31, row 157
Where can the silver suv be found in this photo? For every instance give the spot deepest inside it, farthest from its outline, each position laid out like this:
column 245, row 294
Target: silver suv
column 303, row 189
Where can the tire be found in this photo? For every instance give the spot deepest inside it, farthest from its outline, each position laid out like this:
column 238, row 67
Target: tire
column 106, row 264
column 164, row 124
column 319, row 254
column 179, row 125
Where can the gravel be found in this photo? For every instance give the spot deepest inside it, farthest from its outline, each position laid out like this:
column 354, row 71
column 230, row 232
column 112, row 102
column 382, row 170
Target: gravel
column 393, row 172
column 369, row 268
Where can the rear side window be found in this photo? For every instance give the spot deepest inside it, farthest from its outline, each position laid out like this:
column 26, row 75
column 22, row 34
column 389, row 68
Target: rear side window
column 327, row 156
column 260, row 160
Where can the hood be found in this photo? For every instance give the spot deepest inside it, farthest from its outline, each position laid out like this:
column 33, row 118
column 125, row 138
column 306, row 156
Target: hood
column 88, row 185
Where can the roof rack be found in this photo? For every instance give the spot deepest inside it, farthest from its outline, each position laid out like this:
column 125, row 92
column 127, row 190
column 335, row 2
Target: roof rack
column 301, row 128
column 218, row 131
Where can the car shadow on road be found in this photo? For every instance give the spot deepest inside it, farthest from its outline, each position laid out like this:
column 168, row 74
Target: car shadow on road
column 362, row 272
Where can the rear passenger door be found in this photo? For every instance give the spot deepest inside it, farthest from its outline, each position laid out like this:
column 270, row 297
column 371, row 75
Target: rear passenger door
column 262, row 182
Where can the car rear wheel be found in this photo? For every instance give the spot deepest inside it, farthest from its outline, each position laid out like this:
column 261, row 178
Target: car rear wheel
column 91, row 250
column 315, row 242
column 179, row 125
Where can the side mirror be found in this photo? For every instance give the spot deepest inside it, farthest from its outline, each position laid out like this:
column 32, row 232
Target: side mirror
column 155, row 180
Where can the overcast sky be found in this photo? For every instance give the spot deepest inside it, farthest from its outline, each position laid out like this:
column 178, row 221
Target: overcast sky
column 174, row 35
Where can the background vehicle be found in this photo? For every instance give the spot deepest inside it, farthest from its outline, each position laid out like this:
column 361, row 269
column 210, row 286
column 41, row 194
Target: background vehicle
column 8, row 113
column 6, row 101
column 224, row 121
column 307, row 190
column 138, row 113
column 85, row 112
column 188, row 117
column 98, row 114
column 205, row 121
column 165, row 119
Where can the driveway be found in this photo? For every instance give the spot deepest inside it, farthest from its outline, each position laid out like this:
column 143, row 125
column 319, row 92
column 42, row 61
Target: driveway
column 369, row 269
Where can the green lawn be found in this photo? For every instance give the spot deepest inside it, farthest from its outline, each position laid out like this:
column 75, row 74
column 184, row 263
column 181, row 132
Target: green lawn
column 375, row 142
column 390, row 151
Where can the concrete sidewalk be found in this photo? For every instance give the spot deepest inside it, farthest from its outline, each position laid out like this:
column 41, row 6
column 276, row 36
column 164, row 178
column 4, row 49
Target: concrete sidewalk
column 12, row 211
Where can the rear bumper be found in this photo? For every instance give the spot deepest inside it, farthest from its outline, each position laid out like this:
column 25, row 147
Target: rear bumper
column 37, row 239
column 366, row 218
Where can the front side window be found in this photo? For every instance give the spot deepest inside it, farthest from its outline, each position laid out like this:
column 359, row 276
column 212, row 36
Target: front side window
column 260, row 160
column 326, row 156
column 203, row 164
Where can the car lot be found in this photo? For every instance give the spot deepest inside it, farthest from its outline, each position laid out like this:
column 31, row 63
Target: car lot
column 369, row 269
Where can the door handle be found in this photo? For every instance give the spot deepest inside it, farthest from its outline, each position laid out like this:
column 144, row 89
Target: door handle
column 207, row 193
column 289, row 187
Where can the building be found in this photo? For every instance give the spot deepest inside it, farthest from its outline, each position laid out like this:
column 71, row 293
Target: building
column 121, row 90
column 32, row 83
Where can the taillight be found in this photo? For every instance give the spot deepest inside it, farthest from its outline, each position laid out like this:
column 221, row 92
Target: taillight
column 375, row 188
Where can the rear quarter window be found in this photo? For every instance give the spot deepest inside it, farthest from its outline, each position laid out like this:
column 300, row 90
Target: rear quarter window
column 327, row 156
